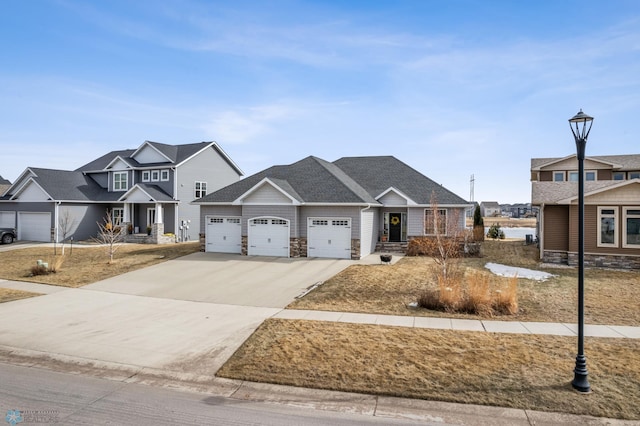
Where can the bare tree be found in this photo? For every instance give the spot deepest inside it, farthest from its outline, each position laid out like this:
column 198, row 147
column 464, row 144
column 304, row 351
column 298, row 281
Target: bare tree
column 65, row 225
column 109, row 235
column 447, row 241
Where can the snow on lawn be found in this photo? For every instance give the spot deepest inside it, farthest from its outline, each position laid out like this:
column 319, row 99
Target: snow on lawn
column 510, row 271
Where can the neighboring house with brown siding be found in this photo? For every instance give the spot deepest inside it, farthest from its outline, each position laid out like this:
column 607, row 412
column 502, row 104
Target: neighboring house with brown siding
column 612, row 209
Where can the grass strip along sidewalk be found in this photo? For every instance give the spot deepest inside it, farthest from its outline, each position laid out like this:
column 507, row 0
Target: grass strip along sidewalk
column 510, row 370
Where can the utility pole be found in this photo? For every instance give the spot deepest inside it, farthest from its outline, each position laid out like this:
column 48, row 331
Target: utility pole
column 471, row 183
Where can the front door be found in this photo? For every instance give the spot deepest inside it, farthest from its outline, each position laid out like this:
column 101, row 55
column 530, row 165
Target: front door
column 395, row 227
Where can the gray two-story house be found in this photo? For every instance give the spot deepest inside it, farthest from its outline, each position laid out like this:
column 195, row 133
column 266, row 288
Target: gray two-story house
column 147, row 190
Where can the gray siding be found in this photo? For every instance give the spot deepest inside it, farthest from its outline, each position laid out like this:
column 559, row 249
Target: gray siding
column 209, row 167
column 84, row 221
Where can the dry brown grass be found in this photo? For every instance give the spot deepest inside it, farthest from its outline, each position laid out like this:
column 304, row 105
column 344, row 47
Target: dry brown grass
column 611, row 297
column 519, row 371
column 9, row 294
column 506, row 222
column 86, row 265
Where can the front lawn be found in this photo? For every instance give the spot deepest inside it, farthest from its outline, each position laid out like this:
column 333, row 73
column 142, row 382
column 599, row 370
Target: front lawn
column 85, row 265
column 611, row 297
column 520, row 371
column 9, row 294
column 508, row 370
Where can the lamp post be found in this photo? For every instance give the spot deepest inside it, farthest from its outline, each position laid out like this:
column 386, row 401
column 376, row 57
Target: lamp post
column 580, row 127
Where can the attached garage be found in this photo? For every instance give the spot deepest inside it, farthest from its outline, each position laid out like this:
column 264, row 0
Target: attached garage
column 268, row 237
column 223, row 234
column 34, row 226
column 329, row 237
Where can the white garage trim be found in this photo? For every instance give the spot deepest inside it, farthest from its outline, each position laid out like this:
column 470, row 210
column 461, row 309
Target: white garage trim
column 34, row 226
column 268, row 236
column 329, row 237
column 223, row 234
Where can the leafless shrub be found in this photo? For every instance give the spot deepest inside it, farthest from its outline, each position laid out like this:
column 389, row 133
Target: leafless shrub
column 109, row 235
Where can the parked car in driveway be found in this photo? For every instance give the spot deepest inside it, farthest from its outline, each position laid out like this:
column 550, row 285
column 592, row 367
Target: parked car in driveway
column 7, row 235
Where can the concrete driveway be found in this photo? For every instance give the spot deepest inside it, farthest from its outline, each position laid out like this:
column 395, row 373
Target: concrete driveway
column 183, row 316
column 271, row 282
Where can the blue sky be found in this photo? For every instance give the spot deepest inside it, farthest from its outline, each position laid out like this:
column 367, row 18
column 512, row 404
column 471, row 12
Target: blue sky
column 451, row 87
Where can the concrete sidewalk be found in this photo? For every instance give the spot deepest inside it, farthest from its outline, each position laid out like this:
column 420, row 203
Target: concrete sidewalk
column 515, row 327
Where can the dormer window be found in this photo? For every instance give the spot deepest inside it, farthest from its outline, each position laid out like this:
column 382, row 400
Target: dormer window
column 155, row 175
column 558, row 176
column 164, row 175
column 618, row 175
column 120, row 181
column 146, row 176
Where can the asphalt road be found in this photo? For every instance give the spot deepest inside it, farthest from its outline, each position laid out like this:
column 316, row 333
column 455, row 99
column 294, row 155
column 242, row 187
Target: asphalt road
column 40, row 396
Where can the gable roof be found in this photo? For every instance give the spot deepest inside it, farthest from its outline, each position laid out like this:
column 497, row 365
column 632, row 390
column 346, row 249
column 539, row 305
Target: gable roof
column 176, row 154
column 377, row 174
column 567, row 192
column 310, row 180
column 617, row 162
column 349, row 180
column 64, row 185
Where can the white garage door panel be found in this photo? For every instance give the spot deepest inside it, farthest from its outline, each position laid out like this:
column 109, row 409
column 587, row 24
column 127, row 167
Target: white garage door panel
column 7, row 219
column 268, row 237
column 34, row 226
column 329, row 237
column 223, row 235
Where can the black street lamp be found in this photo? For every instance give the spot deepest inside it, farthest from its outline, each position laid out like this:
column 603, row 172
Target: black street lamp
column 581, row 126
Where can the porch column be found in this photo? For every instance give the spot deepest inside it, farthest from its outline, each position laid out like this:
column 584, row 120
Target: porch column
column 127, row 213
column 159, row 213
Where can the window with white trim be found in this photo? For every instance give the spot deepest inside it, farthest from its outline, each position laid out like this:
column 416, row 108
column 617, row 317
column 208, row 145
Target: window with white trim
column 200, row 189
column 607, row 227
column 435, row 221
column 120, row 181
column 631, row 231
column 155, row 175
column 558, row 176
column 573, row 176
column 117, row 216
column 164, row 175
column 590, row 176
column 634, row 175
column 146, row 175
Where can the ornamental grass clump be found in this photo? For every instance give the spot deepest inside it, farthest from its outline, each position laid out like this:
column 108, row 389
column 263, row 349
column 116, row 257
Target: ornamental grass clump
column 475, row 294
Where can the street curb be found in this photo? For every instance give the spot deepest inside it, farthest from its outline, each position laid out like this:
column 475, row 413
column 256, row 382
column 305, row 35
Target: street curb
column 433, row 412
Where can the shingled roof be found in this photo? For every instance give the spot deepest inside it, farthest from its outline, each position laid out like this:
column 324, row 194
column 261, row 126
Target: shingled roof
column 349, row 180
column 175, row 153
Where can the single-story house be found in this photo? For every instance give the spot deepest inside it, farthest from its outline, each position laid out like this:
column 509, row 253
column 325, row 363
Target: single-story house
column 315, row 208
column 147, row 190
column 490, row 209
column 612, row 209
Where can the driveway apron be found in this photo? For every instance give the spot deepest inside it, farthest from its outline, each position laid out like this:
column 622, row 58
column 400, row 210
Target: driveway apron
column 183, row 316
column 271, row 282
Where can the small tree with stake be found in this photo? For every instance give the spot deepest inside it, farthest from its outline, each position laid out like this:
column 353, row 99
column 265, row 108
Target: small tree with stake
column 109, row 235
column 478, row 225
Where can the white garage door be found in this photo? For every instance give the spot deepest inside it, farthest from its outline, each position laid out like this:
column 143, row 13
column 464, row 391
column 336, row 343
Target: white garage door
column 34, row 226
column 329, row 237
column 223, row 234
column 268, row 237
column 7, row 219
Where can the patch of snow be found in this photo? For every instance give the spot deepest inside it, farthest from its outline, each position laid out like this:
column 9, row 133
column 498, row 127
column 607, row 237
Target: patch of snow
column 511, row 271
